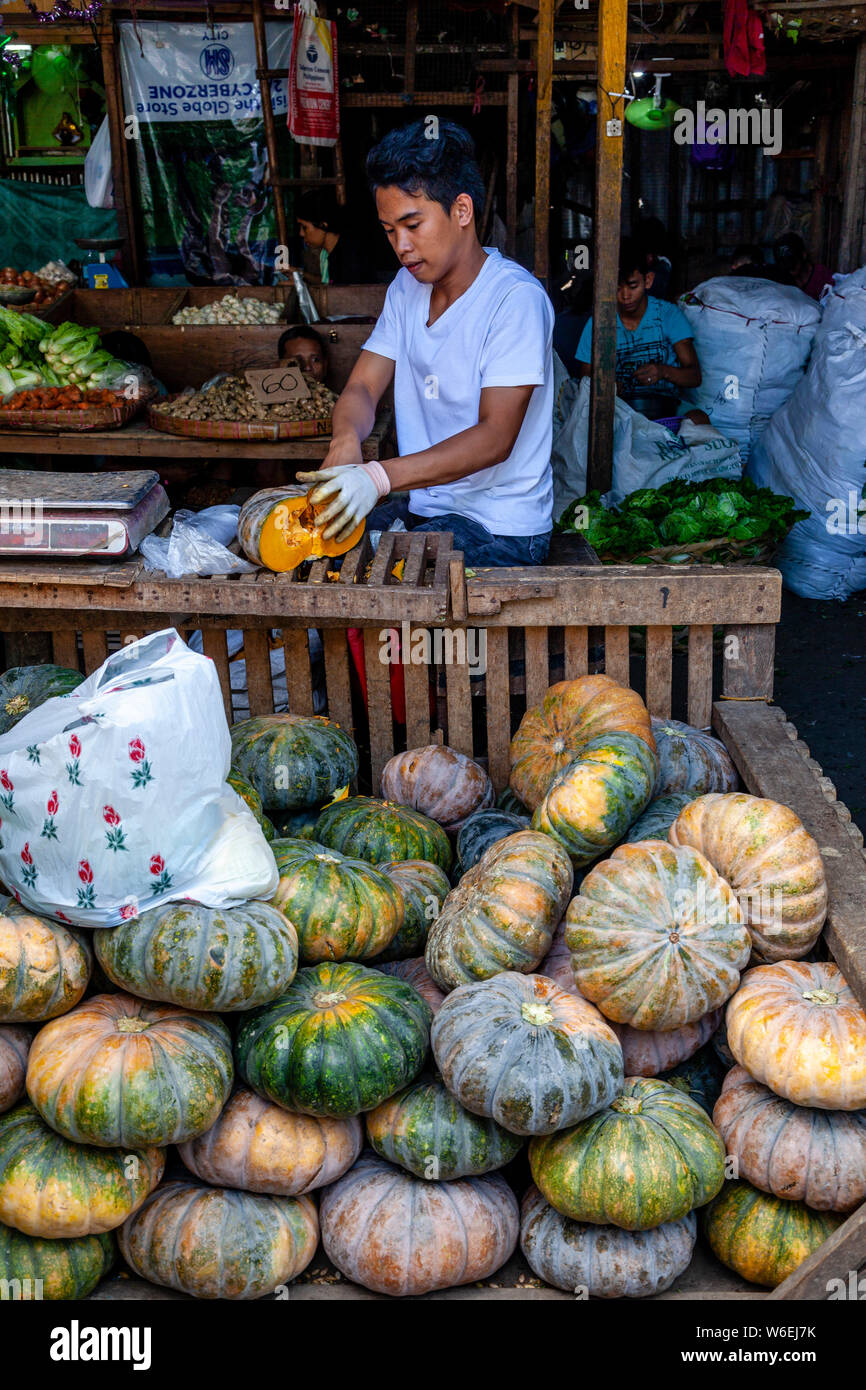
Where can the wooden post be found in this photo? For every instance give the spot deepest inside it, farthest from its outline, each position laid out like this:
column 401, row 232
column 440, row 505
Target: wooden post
column 543, row 111
column 612, row 24
column 512, row 120
column 411, row 44
column 854, row 195
column 123, row 197
column 269, row 123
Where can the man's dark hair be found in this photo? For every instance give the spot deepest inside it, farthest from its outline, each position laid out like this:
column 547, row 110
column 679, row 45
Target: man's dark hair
column 749, row 254
column 632, row 257
column 301, row 330
column 441, row 168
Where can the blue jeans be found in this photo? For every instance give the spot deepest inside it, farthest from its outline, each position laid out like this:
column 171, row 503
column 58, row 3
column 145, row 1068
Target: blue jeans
column 480, row 547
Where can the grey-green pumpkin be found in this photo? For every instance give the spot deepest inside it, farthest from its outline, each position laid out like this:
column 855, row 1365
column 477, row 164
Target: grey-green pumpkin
column 293, row 760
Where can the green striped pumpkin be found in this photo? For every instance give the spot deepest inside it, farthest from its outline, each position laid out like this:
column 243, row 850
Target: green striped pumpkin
column 482, row 830
column 507, row 801
column 764, row 1238
column 655, row 822
column 61, row 1270
column 57, row 1190
column 342, row 909
column 247, row 792
column 212, row 959
column 25, row 688
column 293, row 760
column 340, row 1041
column 424, row 887
column 426, row 1130
column 381, row 831
column 503, row 913
column 592, row 803
column 118, row 1071
column 214, row 1242
column 651, row 1156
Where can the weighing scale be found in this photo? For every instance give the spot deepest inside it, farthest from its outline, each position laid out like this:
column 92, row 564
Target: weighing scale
column 100, row 275
column 93, row 516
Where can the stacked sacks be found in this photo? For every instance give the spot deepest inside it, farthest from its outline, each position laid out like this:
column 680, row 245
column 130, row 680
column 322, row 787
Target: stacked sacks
column 813, row 451
column 792, row 1117
column 753, row 340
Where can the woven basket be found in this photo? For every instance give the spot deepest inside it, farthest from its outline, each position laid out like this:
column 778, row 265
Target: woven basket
column 101, row 417
column 259, row 430
column 719, row 552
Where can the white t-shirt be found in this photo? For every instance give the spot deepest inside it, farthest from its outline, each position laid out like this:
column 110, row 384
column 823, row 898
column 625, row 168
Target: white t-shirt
column 498, row 333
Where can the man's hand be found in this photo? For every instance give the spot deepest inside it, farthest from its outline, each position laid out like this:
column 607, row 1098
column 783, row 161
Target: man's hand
column 650, row 373
column 353, row 494
column 345, row 451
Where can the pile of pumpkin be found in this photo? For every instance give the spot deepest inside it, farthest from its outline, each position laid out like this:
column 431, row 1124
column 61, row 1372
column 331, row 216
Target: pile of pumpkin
column 579, row 1023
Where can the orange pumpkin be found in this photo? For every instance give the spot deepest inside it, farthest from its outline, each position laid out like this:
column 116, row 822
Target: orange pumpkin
column 572, row 712
column 801, row 1154
column 259, row 1147
column 772, row 863
column 763, row 1238
column 438, row 781
column 278, row 528
column 656, row 936
column 799, row 1028
column 14, row 1046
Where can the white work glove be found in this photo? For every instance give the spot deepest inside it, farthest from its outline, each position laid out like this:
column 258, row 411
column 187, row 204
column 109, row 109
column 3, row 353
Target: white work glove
column 355, row 489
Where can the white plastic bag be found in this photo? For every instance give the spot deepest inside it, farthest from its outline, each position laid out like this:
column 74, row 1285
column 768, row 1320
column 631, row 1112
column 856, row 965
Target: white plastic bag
column 645, row 453
column 753, row 340
column 814, row 450
column 114, row 798
column 195, row 545
column 98, row 180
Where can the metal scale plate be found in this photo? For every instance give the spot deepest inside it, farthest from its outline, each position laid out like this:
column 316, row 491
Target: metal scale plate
column 78, row 515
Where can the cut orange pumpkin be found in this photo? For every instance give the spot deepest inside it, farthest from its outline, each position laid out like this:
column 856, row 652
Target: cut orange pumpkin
column 279, row 528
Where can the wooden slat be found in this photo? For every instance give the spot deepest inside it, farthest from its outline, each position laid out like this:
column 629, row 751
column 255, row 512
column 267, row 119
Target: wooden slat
column 416, row 682
column 353, row 564
column 382, row 561
column 413, row 570
column 700, row 686
column 659, row 659
column 459, row 699
column 65, row 649
column 299, row 676
column 840, row 1256
column 576, row 656
column 616, row 654
column 213, row 641
column 443, row 541
column 319, row 572
column 747, row 667
column 95, row 647
column 771, row 765
column 337, row 681
column 498, row 717
column 636, row 594
column 543, row 113
column 257, row 655
column 537, row 670
column 378, row 705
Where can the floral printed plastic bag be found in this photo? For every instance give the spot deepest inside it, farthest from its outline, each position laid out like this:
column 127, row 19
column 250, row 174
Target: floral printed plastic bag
column 113, row 798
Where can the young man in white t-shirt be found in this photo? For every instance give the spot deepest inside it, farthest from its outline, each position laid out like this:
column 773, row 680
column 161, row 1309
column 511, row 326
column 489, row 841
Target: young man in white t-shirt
column 466, row 337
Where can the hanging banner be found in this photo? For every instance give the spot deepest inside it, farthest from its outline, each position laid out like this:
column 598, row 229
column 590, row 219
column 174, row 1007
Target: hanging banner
column 193, row 117
column 314, row 106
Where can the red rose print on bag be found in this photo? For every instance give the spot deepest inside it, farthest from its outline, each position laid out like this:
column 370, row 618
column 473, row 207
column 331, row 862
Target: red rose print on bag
column 162, row 879
column 141, row 772
column 114, row 835
column 73, row 768
column 29, row 871
column 86, row 893
column 49, row 826
column 6, row 795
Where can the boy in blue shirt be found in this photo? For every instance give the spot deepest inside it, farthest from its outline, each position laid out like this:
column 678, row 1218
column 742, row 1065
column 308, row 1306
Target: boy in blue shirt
column 655, row 349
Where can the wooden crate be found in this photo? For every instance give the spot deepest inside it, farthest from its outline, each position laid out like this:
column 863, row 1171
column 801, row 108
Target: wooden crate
column 560, row 621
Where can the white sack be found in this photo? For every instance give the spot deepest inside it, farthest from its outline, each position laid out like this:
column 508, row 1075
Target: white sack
column 114, row 799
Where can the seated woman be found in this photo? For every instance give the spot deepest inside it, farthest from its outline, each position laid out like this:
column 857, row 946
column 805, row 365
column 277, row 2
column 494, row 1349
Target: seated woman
column 308, row 349
column 655, row 349
column 321, row 225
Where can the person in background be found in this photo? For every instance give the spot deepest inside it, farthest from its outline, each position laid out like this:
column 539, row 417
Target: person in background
column 655, row 348
column 308, row 348
column 321, row 225
column 128, row 347
column 653, row 238
column 790, row 253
